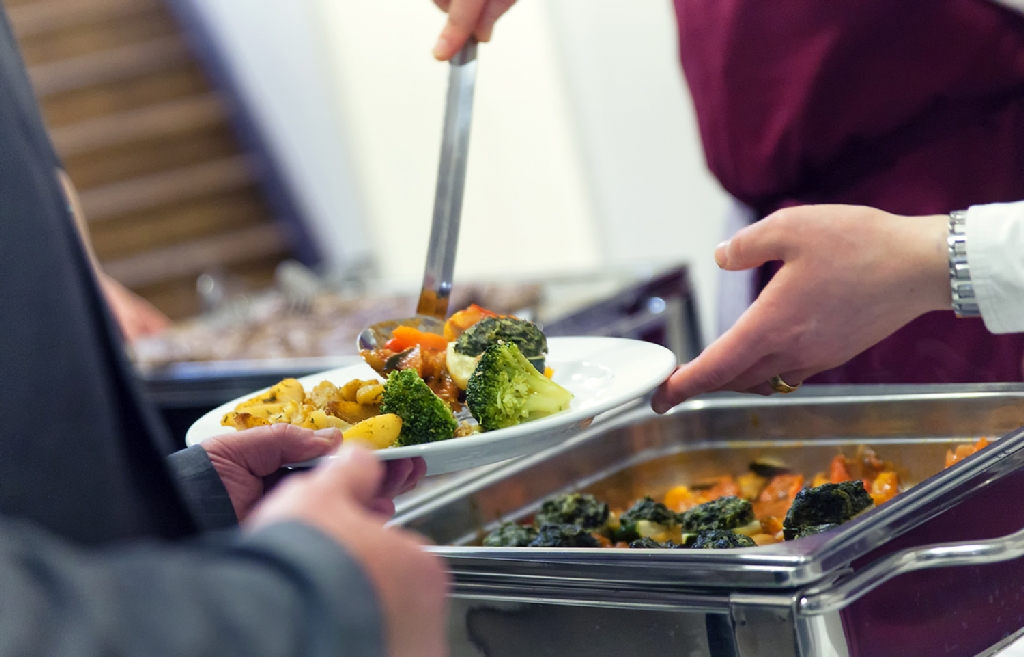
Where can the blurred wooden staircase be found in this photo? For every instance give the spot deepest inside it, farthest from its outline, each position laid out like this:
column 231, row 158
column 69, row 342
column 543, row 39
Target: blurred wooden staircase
column 166, row 186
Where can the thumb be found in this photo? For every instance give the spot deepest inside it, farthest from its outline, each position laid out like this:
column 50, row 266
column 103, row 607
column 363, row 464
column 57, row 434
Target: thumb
column 262, row 450
column 753, row 246
column 463, row 18
column 354, row 472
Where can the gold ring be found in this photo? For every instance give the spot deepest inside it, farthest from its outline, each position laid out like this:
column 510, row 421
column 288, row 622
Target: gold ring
column 778, row 385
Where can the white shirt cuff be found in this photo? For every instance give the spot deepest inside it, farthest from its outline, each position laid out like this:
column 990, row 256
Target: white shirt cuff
column 995, row 253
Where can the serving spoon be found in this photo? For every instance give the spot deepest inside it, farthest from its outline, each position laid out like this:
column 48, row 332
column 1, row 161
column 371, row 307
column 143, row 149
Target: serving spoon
column 432, row 308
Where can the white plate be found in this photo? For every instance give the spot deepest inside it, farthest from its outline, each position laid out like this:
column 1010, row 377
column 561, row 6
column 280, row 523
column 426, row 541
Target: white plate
column 602, row 373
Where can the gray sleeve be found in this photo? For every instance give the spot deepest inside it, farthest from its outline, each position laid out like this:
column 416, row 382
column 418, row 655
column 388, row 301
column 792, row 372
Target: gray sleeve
column 285, row 590
column 203, row 489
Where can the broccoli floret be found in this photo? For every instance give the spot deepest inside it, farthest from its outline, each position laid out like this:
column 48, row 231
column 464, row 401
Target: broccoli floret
column 505, row 390
column 648, row 509
column 809, row 531
column 644, row 510
column 511, row 535
column 426, row 418
column 564, row 536
column 573, row 509
column 724, row 513
column 490, row 330
column 828, row 504
column 651, row 544
column 722, row 540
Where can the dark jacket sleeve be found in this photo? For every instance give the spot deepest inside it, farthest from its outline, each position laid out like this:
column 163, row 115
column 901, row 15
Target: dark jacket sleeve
column 202, row 488
column 284, row 590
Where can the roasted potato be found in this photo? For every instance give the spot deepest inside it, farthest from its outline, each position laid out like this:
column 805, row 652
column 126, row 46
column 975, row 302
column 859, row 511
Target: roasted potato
column 376, row 432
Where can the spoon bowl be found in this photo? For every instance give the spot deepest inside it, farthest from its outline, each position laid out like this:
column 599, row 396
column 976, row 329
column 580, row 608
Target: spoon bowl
column 377, row 335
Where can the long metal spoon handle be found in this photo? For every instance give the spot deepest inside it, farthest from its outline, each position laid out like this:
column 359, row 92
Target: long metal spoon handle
column 451, row 182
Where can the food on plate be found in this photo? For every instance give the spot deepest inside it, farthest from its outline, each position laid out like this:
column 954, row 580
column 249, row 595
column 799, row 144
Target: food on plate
column 506, row 389
column 326, row 407
column 464, row 319
column 428, row 379
column 426, row 418
column 378, row 432
column 494, row 364
column 400, row 411
column 524, row 334
column 770, row 504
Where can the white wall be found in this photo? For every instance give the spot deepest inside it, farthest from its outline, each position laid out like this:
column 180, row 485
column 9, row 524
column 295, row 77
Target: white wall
column 527, row 208
column 655, row 201
column 281, row 69
column 583, row 139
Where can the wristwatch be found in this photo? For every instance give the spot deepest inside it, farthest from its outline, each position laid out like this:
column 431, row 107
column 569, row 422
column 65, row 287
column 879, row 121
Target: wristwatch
column 965, row 304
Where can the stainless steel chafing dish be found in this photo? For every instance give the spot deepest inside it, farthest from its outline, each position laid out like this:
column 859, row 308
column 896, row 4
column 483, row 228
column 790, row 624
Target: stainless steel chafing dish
column 937, row 571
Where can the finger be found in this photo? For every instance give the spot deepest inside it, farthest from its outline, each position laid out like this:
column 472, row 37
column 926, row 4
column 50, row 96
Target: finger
column 384, row 508
column 763, row 389
column 724, row 360
column 755, row 245
column 419, row 470
column 463, row 17
column 396, row 472
column 443, row 5
column 355, row 472
column 494, row 10
column 263, row 450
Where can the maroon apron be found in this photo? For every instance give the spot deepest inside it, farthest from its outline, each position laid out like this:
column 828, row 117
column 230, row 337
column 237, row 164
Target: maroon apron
column 915, row 107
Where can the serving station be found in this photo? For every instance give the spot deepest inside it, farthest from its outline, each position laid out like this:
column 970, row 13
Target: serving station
column 935, row 571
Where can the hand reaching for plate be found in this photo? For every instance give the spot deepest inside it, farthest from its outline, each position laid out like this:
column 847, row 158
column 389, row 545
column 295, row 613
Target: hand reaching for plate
column 248, row 462
column 851, row 277
column 466, row 18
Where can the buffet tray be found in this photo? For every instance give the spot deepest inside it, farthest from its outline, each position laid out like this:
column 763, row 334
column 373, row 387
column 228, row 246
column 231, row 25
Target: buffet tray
column 876, row 586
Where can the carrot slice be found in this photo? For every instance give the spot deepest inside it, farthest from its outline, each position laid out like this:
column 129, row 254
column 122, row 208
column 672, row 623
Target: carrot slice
column 462, row 320
column 405, row 337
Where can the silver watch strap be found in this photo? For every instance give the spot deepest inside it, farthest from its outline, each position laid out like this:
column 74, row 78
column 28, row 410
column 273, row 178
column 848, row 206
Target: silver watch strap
column 965, row 304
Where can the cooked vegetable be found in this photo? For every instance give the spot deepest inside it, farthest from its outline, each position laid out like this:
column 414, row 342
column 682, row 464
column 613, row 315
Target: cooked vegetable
column 376, row 432
column 826, row 504
column 768, row 467
column 648, row 509
column 885, row 487
column 505, row 390
column 812, row 530
column 460, row 366
column 407, row 337
column 573, row 509
column 778, row 495
column 723, row 513
column 963, row 451
column 511, row 534
column 426, row 418
column 462, row 320
column 647, row 519
column 325, row 407
column 490, row 330
column 651, row 544
column 564, row 536
column 720, row 539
